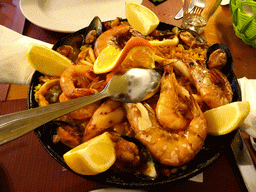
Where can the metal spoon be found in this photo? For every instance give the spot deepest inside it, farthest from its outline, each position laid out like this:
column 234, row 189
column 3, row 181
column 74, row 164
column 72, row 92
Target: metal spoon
column 133, row 86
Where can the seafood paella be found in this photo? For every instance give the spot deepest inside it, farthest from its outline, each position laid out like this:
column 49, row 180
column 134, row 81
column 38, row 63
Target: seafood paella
column 170, row 125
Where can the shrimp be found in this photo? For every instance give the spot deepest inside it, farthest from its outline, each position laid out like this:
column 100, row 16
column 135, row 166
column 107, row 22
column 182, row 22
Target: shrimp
column 170, row 148
column 169, row 106
column 75, row 81
column 82, row 113
column 212, row 86
column 116, row 36
column 222, row 81
column 107, row 115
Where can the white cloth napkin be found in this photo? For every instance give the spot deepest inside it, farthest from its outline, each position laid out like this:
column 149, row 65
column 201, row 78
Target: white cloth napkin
column 248, row 89
column 14, row 67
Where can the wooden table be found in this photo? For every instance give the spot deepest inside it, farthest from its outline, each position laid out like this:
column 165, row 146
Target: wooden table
column 26, row 166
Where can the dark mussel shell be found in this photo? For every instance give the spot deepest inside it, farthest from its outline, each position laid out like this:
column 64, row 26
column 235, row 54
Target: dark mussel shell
column 148, row 162
column 77, row 39
column 197, row 37
column 228, row 68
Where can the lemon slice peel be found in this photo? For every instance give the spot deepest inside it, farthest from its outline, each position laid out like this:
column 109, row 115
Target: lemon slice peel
column 141, row 18
column 46, row 60
column 227, row 118
column 92, row 157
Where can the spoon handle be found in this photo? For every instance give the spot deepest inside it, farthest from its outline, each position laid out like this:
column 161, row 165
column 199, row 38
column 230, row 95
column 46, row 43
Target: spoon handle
column 17, row 124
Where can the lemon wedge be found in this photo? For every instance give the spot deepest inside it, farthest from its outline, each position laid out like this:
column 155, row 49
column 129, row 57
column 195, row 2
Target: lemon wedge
column 46, row 60
column 141, row 18
column 225, row 119
column 92, row 157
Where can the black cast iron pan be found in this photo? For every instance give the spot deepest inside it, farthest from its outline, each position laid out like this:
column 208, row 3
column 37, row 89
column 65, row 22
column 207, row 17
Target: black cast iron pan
column 211, row 150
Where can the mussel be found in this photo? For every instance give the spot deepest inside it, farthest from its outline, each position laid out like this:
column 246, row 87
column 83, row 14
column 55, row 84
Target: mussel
column 66, row 133
column 191, row 36
column 218, row 55
column 78, row 39
column 145, row 168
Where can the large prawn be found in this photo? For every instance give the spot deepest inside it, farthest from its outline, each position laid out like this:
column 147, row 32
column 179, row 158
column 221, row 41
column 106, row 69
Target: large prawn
column 171, row 148
column 212, row 85
column 170, row 106
column 116, row 36
column 77, row 80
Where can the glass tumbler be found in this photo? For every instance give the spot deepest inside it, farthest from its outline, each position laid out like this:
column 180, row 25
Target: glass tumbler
column 197, row 13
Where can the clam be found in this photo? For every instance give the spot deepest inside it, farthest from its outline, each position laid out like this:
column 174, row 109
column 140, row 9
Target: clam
column 84, row 36
column 219, row 56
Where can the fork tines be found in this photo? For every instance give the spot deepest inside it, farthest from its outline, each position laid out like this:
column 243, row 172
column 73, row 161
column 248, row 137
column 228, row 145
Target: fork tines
column 197, row 10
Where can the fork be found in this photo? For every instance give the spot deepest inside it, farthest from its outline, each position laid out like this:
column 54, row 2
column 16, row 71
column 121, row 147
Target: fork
column 198, row 7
